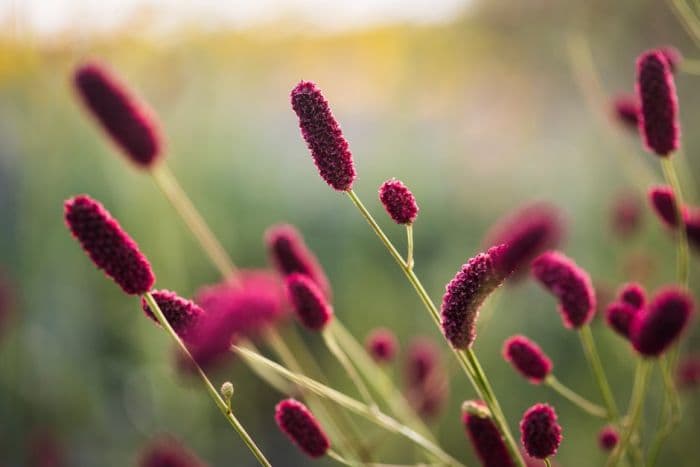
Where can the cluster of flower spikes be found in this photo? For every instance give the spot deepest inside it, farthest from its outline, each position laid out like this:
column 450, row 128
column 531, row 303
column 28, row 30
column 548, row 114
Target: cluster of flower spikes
column 166, row 451
column 427, row 387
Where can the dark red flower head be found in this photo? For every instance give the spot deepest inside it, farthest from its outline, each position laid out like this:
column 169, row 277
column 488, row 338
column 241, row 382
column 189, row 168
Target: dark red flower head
column 487, row 440
column 541, row 434
column 663, row 321
column 663, row 202
column 427, row 387
column 382, row 345
column 626, row 110
column 183, row 315
column 526, row 232
column 289, row 254
column 466, row 292
column 672, row 55
column 398, row 201
column 688, row 373
column 626, row 214
column 109, row 247
column 528, row 358
column 633, row 294
column 323, row 136
column 301, row 427
column 620, row 315
column 608, row 438
column 308, row 302
column 129, row 121
column 168, row 452
column 570, row 284
column 658, row 122
column 692, row 227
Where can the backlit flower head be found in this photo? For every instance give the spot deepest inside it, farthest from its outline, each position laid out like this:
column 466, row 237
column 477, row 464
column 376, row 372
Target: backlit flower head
column 663, row 202
column 528, row 358
column 626, row 214
column 166, row 451
column 182, row 315
column 633, row 294
column 662, row 322
column 540, row 432
column 626, row 110
column 130, row 123
column 398, row 201
column 688, row 373
column 109, row 247
column 608, row 438
column 310, row 305
column 619, row 316
column 570, row 284
column 486, row 440
column 466, row 292
column 302, row 428
column 658, row 122
column 322, row 134
column 382, row 345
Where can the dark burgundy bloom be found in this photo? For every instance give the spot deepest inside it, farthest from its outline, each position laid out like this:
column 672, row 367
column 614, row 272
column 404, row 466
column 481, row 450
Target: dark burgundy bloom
column 570, row 284
column 608, row 438
column 672, row 55
column 541, row 434
column 688, row 373
column 626, row 214
column 289, row 254
column 427, row 387
column 620, row 315
column 487, row 441
column 633, row 294
column 658, row 122
column 109, row 247
column 626, row 111
column 168, row 452
column 526, row 232
column 381, row 344
column 465, row 293
column 692, row 227
column 309, row 303
column 323, row 136
column 528, row 358
column 183, row 315
column 301, row 427
column 398, row 201
column 663, row 201
column 129, row 121
column 663, row 321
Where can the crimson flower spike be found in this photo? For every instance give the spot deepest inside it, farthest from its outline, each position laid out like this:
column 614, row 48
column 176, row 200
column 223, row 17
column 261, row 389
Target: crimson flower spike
column 129, row 121
column 309, row 303
column 541, row 433
column 484, row 436
column 108, row 245
column 183, row 315
column 466, row 292
column 302, row 428
column 322, row 134
column 528, row 358
column 663, row 201
column 672, row 55
column 398, row 201
column 570, row 284
column 658, row 122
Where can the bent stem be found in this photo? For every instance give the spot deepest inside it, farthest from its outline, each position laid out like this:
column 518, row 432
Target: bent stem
column 682, row 259
column 409, row 246
column 220, row 403
column 575, row 398
column 477, row 378
column 671, row 412
column 547, row 462
column 596, row 365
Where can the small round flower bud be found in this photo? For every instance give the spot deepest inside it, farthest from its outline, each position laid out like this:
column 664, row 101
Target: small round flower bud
column 608, row 438
column 528, row 358
column 302, row 428
column 381, row 344
column 633, row 294
column 227, row 390
column 398, row 201
column 541, row 434
column 309, row 303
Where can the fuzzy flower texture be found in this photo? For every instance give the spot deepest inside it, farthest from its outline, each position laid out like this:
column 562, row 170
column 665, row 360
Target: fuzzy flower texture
column 487, row 440
column 398, row 201
column 182, row 315
column 301, row 427
column 528, row 358
column 656, row 328
column 540, row 431
column 309, row 303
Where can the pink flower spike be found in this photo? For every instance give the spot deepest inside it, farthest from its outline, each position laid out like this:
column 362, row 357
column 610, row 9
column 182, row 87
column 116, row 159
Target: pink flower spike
column 541, row 434
column 528, row 358
column 382, row 345
column 130, row 123
column 302, row 428
column 166, row 451
column 487, row 441
column 108, row 245
column 608, row 438
column 322, row 134
column 570, row 284
column 633, row 294
column 182, row 315
column 619, row 316
column 398, row 201
column 626, row 110
column 308, row 302
column 661, row 324
column 663, row 201
column 656, row 89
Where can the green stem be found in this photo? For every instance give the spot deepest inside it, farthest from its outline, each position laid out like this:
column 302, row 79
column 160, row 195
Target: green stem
column 575, row 398
column 341, row 356
column 220, row 403
column 409, row 246
column 682, row 259
column 547, row 462
column 671, row 412
column 596, row 365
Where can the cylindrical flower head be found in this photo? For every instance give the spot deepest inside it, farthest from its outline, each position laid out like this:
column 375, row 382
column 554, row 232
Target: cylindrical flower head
column 658, row 122
column 626, row 110
column 619, row 316
column 487, row 441
column 540, row 432
column 302, row 428
column 633, row 294
column 608, row 438
column 466, row 292
column 398, row 201
column 130, row 123
column 528, row 358
column 626, row 214
column 109, row 247
column 672, row 55
column 663, row 321
column 308, row 302
column 526, row 232
column 168, row 452
column 289, row 254
column 183, row 315
column 688, row 373
column 663, row 202
column 381, row 344
column 322, row 134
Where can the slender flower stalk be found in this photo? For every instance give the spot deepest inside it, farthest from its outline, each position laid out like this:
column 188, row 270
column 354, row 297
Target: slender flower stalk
column 682, row 257
column 340, row 355
column 409, row 246
column 575, row 398
column 591, row 352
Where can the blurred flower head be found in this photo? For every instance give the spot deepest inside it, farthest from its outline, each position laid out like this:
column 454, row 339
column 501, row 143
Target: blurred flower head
column 301, row 427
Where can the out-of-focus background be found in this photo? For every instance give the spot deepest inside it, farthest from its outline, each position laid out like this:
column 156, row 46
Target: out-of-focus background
column 478, row 106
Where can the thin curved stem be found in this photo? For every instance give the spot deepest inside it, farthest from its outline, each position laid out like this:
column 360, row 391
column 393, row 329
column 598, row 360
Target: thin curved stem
column 547, row 462
column 682, row 259
column 409, row 246
column 220, row 403
column 671, row 412
column 596, row 365
column 575, row 398
column 341, row 356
